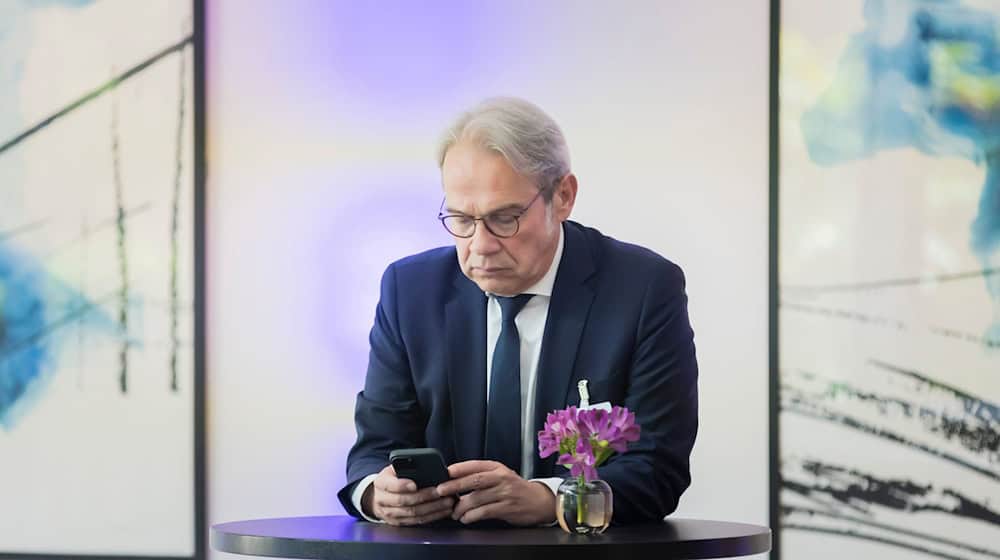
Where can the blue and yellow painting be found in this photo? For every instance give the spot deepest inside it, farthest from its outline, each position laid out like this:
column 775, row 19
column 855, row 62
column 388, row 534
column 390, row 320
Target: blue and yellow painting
column 889, row 368
column 935, row 89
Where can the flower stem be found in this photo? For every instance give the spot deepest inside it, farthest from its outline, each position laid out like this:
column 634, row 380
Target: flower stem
column 581, row 496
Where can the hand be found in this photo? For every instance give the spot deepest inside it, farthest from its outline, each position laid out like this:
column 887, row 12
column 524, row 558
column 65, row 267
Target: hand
column 496, row 492
column 398, row 502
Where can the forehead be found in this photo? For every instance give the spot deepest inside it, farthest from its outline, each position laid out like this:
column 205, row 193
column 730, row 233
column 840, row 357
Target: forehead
column 478, row 180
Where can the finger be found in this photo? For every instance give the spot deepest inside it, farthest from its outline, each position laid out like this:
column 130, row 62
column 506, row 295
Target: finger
column 422, row 511
column 389, row 483
column 387, row 480
column 434, row 506
column 492, row 510
column 407, row 499
column 427, row 518
column 413, row 514
column 463, row 505
column 469, row 483
column 465, row 468
column 474, row 500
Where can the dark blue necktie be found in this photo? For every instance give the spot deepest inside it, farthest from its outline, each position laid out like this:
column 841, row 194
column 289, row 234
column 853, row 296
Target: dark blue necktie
column 503, row 418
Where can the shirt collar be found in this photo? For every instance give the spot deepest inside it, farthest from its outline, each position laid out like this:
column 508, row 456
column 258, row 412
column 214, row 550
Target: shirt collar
column 545, row 284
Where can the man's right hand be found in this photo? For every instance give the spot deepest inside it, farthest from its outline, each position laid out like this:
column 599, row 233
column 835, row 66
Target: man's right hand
column 398, row 502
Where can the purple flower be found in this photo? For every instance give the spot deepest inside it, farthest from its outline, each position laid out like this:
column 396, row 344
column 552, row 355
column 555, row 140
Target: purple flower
column 585, row 462
column 581, row 461
column 584, row 439
column 560, row 425
column 594, row 421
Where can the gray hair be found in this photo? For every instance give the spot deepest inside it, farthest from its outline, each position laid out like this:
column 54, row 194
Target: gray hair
column 522, row 133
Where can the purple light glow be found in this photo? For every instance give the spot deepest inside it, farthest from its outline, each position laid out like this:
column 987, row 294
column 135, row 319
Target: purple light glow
column 385, row 218
column 394, row 60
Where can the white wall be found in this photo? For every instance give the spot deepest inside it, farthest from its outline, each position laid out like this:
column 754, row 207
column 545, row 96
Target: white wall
column 322, row 119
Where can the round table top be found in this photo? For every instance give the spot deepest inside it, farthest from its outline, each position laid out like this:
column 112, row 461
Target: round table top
column 346, row 537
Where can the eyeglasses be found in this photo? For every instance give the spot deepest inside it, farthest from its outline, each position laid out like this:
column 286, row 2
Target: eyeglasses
column 501, row 224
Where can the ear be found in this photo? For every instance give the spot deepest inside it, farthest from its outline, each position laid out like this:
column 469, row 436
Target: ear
column 563, row 197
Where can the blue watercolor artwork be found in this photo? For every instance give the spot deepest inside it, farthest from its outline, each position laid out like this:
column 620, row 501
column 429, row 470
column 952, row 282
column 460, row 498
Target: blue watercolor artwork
column 79, row 226
column 935, row 88
column 889, row 424
column 98, row 257
column 35, row 309
column 24, row 350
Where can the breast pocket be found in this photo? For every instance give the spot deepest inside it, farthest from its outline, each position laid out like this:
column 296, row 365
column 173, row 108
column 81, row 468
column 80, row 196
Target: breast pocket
column 601, row 390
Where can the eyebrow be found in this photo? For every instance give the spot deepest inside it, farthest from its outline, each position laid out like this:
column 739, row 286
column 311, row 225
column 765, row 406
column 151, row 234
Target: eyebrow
column 504, row 208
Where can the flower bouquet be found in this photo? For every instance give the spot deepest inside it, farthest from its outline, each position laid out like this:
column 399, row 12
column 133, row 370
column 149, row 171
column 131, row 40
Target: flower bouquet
column 584, row 439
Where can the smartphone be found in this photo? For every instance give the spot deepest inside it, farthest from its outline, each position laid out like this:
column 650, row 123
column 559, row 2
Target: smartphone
column 424, row 465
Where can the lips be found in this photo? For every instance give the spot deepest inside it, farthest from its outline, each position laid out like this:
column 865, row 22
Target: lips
column 490, row 271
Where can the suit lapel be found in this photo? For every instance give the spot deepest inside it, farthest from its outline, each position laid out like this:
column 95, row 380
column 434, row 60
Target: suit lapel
column 568, row 310
column 465, row 325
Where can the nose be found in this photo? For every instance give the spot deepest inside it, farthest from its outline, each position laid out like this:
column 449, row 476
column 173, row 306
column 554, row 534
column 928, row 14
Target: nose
column 483, row 242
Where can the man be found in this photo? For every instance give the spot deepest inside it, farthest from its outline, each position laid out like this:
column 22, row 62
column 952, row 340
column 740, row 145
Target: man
column 473, row 345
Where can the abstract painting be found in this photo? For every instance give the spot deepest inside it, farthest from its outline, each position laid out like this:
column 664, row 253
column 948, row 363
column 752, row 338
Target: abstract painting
column 99, row 413
column 888, row 279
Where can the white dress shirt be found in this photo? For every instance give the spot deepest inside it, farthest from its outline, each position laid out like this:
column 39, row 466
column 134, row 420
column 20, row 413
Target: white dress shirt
column 530, row 324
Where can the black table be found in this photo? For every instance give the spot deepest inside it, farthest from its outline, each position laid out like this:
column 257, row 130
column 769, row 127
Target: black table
column 344, row 537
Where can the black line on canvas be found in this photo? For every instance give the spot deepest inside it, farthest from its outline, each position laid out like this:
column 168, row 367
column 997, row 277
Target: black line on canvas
column 892, row 282
column 123, row 290
column 862, row 491
column 900, row 530
column 973, row 429
column 887, row 322
column 937, row 385
column 111, row 84
column 857, row 425
column 175, row 221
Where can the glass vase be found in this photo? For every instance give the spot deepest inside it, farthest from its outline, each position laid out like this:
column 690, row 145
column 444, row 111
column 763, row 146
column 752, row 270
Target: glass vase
column 584, row 508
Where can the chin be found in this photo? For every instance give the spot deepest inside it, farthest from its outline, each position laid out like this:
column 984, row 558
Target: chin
column 497, row 287
column 493, row 287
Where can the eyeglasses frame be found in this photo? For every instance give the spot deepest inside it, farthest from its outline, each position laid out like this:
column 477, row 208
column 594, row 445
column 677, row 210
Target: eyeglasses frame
column 517, row 219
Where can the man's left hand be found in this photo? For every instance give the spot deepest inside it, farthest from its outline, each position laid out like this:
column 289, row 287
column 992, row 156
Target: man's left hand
column 496, row 492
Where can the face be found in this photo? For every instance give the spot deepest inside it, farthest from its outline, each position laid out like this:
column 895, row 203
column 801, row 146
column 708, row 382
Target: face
column 478, row 182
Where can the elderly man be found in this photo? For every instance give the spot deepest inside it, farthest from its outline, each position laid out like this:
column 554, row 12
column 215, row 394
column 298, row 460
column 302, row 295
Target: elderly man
column 473, row 344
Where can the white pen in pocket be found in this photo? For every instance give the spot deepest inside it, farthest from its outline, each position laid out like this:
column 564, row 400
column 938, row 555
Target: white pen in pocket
column 581, row 388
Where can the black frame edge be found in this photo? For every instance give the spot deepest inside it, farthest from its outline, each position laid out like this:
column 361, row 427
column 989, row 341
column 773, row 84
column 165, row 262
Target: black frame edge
column 200, row 175
column 774, row 398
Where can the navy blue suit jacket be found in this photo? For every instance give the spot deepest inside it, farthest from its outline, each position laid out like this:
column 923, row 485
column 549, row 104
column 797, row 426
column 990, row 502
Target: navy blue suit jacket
column 617, row 317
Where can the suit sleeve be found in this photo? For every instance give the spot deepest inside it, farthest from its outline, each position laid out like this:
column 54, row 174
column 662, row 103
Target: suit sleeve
column 387, row 415
column 649, row 478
